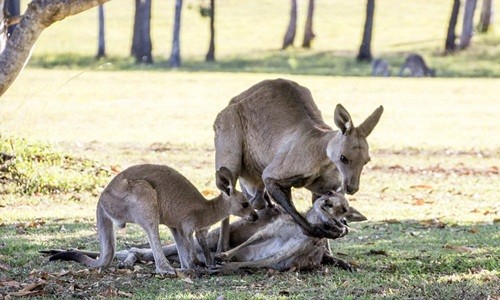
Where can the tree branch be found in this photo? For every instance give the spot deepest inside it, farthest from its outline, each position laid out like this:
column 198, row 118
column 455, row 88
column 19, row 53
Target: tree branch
column 39, row 15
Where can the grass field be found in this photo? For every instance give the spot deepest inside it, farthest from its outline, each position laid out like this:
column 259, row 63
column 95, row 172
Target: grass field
column 430, row 192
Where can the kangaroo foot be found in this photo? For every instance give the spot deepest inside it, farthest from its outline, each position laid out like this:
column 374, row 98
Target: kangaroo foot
column 220, row 258
column 328, row 259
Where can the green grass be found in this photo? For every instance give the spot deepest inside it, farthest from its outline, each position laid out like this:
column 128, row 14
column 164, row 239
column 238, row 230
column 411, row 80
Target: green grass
column 430, row 192
column 434, row 155
column 249, row 36
column 29, row 169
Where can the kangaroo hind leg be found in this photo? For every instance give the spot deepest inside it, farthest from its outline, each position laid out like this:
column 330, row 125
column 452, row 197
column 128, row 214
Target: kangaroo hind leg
column 143, row 200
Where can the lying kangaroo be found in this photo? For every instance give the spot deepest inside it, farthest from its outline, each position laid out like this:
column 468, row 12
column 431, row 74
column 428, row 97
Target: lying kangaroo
column 282, row 240
column 149, row 195
column 380, row 67
column 281, row 245
column 416, row 65
column 273, row 136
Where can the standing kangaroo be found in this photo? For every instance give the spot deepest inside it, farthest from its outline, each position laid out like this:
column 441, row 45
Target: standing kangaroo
column 149, row 195
column 416, row 65
column 273, row 136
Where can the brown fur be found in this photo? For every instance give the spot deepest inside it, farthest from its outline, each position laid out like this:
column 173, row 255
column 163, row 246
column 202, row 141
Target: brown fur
column 149, row 195
column 417, row 67
column 273, row 136
column 282, row 242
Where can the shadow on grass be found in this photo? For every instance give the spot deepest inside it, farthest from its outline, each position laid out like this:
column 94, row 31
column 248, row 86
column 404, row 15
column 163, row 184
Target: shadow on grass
column 406, row 260
column 477, row 63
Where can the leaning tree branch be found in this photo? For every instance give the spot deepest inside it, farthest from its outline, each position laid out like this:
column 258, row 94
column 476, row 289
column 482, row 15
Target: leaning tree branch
column 39, row 15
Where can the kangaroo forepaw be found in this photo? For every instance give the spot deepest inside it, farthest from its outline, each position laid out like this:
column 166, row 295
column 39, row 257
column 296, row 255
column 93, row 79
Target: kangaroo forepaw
column 220, row 258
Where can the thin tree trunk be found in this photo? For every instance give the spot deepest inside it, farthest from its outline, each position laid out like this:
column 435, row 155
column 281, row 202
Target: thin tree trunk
column 365, row 52
column 141, row 39
column 175, row 56
column 101, row 47
column 39, row 15
column 211, row 49
column 308, row 32
column 468, row 23
column 292, row 26
column 3, row 28
column 486, row 16
column 13, row 7
column 450, row 45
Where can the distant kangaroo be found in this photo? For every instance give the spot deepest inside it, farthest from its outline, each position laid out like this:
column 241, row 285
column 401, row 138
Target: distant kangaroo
column 416, row 65
column 274, row 234
column 149, row 195
column 272, row 136
column 380, row 67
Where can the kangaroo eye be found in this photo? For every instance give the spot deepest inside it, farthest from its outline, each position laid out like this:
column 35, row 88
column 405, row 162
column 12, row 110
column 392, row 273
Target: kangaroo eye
column 245, row 204
column 344, row 159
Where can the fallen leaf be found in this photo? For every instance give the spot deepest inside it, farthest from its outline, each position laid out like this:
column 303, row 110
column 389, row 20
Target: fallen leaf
column 124, row 271
column 421, row 186
column 116, row 169
column 419, row 202
column 187, row 279
column 432, row 223
column 29, row 289
column 5, row 267
column 460, row 248
column 378, row 252
column 10, row 283
column 137, row 268
column 392, row 221
column 124, row 294
column 473, row 230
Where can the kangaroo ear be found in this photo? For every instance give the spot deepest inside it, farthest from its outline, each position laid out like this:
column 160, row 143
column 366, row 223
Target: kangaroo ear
column 343, row 119
column 353, row 215
column 366, row 128
column 224, row 180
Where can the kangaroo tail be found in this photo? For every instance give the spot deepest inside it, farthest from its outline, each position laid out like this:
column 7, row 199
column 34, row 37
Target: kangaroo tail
column 106, row 233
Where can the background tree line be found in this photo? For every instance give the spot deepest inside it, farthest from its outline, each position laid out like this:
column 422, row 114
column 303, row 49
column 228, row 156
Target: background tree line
column 141, row 46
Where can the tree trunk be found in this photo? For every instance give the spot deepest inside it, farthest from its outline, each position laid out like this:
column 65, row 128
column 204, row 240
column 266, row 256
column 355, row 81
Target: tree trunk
column 141, row 39
column 365, row 48
column 175, row 56
column 486, row 16
column 13, row 7
column 468, row 21
column 308, row 32
column 450, row 45
column 292, row 26
column 101, row 47
column 39, row 15
column 211, row 48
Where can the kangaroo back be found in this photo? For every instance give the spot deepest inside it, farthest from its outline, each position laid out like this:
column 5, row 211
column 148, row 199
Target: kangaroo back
column 417, row 67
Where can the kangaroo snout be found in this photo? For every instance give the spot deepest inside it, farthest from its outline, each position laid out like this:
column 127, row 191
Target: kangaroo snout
column 351, row 190
column 252, row 217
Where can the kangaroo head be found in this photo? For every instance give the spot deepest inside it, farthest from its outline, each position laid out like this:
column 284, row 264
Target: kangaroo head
column 349, row 149
column 239, row 205
column 334, row 205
